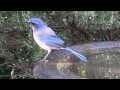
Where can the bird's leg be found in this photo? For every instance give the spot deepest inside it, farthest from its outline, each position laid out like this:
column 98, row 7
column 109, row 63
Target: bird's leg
column 46, row 55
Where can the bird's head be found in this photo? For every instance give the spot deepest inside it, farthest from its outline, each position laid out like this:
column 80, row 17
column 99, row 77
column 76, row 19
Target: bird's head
column 36, row 23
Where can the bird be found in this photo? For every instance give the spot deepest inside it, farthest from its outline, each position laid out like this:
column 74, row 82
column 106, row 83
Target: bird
column 47, row 39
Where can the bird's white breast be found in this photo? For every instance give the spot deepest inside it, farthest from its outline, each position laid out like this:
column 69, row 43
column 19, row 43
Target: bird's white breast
column 40, row 43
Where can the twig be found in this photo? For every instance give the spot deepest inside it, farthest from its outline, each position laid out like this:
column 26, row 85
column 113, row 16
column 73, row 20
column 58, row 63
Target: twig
column 6, row 34
column 12, row 74
column 4, row 63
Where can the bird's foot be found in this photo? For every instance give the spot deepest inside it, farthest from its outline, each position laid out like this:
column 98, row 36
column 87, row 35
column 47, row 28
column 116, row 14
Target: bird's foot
column 45, row 61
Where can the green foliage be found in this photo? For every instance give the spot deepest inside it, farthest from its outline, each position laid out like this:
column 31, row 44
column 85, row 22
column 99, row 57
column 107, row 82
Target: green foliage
column 96, row 19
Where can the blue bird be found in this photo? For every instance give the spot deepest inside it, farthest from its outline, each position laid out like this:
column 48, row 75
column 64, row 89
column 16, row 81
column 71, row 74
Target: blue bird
column 46, row 38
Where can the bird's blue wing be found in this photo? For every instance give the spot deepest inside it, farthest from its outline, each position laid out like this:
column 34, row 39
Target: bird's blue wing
column 52, row 41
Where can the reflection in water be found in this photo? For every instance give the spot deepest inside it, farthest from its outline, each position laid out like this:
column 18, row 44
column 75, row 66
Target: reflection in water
column 103, row 63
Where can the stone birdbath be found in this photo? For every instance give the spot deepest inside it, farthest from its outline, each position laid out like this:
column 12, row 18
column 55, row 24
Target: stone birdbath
column 103, row 62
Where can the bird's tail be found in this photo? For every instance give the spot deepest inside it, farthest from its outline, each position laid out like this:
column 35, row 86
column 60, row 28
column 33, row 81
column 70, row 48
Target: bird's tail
column 83, row 58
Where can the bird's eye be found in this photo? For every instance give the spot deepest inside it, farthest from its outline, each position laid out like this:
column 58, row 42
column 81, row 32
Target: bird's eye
column 33, row 23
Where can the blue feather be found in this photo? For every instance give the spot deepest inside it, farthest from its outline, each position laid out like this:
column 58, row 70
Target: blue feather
column 52, row 40
column 83, row 58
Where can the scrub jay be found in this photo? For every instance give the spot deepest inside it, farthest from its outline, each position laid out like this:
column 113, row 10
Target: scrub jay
column 46, row 38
